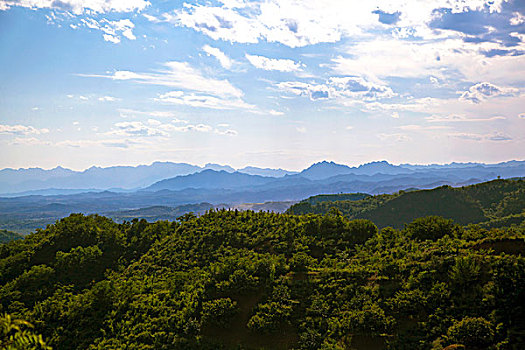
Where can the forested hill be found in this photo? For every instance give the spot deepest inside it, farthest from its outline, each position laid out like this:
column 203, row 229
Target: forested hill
column 246, row 280
column 494, row 203
column 7, row 236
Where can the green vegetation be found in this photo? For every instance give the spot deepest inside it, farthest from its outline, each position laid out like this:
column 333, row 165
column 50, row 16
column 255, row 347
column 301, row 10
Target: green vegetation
column 16, row 334
column 246, row 280
column 497, row 203
column 7, row 236
column 336, row 197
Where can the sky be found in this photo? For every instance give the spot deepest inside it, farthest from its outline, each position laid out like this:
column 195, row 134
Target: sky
column 272, row 83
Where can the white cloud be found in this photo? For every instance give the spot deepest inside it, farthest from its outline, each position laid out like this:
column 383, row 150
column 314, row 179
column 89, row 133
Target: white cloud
column 460, row 118
column 155, row 128
column 298, row 23
column 107, row 99
column 482, row 91
column 154, row 122
column 395, row 137
column 151, row 18
column 222, row 131
column 113, row 143
column 395, row 115
column 21, row 130
column 29, row 141
column 203, row 128
column 79, row 6
column 111, row 38
column 129, row 113
column 494, row 137
column 226, row 132
column 416, row 127
column 282, row 65
column 405, row 58
column 339, row 88
column 112, row 30
column 179, row 75
column 224, row 60
column 517, row 19
column 444, row 60
column 203, row 101
column 190, row 127
column 274, row 112
column 136, row 128
column 301, row 129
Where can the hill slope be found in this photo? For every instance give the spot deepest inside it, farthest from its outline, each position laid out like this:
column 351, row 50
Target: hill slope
column 245, row 280
column 478, row 203
column 8, row 236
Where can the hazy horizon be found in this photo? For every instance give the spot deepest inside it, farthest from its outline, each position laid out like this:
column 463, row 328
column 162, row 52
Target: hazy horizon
column 272, row 84
column 202, row 165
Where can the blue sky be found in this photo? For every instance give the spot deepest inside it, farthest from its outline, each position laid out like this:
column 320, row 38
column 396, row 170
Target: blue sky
column 273, row 83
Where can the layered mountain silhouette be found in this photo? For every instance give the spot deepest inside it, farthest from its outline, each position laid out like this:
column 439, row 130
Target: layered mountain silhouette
column 128, row 178
column 103, row 190
column 210, row 179
column 119, row 178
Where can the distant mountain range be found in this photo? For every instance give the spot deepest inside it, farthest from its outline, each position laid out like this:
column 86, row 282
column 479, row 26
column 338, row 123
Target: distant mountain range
column 224, row 186
column 36, row 181
column 117, row 178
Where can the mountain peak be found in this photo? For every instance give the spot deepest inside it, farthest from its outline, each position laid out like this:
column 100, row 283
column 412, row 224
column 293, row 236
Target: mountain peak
column 324, row 169
column 382, row 167
column 219, row 167
column 377, row 162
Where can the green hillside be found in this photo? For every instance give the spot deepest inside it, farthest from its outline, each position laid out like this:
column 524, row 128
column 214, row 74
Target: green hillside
column 8, row 236
column 156, row 213
column 246, row 280
column 492, row 203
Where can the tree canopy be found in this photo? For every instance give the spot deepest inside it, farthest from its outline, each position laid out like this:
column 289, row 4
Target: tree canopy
column 242, row 279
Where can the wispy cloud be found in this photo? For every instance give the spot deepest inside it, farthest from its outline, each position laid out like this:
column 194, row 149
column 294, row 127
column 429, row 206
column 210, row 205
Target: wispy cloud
column 80, row 6
column 482, row 91
column 495, row 137
column 21, row 130
column 136, row 128
column 453, row 118
column 206, row 92
column 112, row 30
column 29, row 141
column 155, row 128
column 282, row 65
column 203, row 101
column 417, row 127
column 224, row 60
column 129, row 113
column 178, row 75
column 395, row 137
column 107, row 99
column 341, row 88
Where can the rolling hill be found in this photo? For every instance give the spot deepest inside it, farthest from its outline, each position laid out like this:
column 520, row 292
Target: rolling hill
column 8, row 236
column 481, row 203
